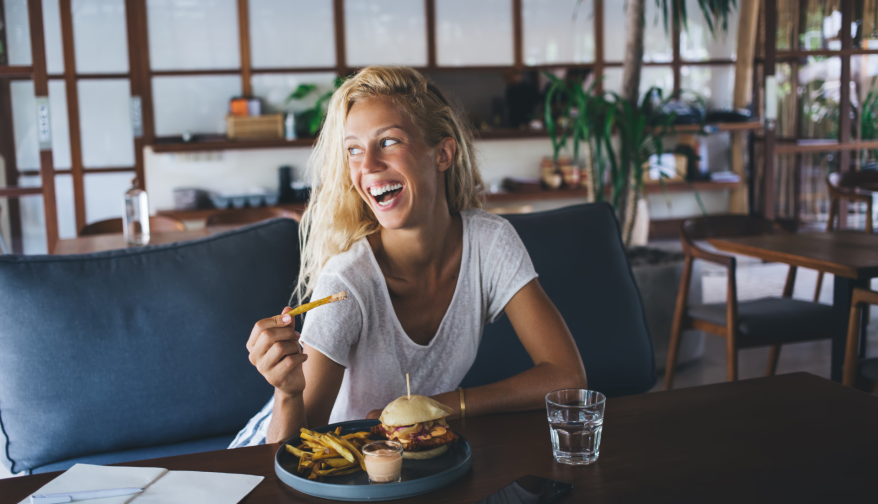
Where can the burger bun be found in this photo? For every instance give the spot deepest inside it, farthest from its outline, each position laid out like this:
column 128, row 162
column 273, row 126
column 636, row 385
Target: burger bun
column 411, row 410
column 425, row 454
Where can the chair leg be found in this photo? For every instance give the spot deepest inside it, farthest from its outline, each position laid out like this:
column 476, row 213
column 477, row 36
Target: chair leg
column 731, row 359
column 819, row 286
column 773, row 357
column 673, row 348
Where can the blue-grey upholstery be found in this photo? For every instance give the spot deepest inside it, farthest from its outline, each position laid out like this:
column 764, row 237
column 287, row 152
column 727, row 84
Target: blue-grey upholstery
column 767, row 321
column 868, row 368
column 578, row 253
column 136, row 353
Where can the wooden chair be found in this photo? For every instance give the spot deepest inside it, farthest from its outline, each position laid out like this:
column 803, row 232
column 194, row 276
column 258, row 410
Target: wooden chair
column 158, row 223
column 762, row 322
column 852, row 186
column 859, row 372
column 243, row 216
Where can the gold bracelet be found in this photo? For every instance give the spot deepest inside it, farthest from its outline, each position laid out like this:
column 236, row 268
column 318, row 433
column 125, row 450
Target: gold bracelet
column 462, row 403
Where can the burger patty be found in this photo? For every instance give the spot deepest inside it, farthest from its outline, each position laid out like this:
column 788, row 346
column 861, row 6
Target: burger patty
column 417, row 444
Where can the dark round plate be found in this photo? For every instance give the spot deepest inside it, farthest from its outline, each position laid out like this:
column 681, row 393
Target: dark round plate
column 418, row 476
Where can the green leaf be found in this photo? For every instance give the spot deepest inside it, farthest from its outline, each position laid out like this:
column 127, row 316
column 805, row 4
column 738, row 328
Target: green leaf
column 302, row 92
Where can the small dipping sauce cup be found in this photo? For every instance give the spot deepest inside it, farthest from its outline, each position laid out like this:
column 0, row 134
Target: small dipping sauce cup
column 383, row 461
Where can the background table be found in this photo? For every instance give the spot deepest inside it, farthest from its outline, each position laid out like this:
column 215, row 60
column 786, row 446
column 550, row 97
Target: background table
column 849, row 255
column 112, row 241
column 787, row 438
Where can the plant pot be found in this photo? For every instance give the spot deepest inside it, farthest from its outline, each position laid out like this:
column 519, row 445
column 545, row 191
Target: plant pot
column 657, row 273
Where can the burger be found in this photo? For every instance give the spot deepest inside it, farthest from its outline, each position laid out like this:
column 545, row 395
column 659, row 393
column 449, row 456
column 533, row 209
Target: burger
column 418, row 423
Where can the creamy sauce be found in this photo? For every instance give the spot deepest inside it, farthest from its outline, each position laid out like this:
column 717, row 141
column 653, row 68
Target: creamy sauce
column 383, row 466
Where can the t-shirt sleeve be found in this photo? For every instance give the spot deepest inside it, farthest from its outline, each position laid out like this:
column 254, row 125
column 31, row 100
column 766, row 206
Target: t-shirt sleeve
column 508, row 268
column 335, row 328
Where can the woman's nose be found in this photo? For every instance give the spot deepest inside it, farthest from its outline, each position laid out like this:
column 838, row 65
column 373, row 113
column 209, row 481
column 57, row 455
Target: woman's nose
column 372, row 161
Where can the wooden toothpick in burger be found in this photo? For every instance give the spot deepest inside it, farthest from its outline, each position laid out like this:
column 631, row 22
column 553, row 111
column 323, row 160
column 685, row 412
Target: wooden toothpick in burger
column 418, row 423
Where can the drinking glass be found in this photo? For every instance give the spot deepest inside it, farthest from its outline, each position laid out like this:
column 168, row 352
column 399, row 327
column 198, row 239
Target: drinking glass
column 576, row 418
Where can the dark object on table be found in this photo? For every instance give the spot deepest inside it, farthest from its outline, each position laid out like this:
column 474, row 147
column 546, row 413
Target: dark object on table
column 693, row 167
column 301, row 192
column 523, row 185
column 418, row 476
column 684, row 113
column 157, row 224
column 186, row 198
column 529, row 490
column 578, row 253
column 285, row 180
column 110, row 377
column 769, row 321
column 522, row 97
column 727, row 116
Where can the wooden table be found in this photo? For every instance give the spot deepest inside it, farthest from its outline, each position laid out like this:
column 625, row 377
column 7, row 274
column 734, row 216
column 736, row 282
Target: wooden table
column 101, row 243
column 787, row 438
column 849, row 255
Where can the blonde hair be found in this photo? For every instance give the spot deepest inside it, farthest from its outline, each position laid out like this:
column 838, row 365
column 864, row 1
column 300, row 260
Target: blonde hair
column 337, row 216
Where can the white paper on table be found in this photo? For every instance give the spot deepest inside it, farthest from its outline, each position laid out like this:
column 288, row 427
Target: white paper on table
column 161, row 486
column 191, row 487
column 84, row 477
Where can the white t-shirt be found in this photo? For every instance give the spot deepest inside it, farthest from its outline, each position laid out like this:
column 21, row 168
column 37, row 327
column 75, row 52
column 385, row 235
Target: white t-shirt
column 364, row 335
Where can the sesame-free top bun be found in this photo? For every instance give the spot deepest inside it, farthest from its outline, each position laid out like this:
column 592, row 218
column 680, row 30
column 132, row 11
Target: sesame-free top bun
column 405, row 411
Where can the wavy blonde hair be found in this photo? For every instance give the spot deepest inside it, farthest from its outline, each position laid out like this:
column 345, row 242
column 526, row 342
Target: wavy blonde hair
column 337, row 216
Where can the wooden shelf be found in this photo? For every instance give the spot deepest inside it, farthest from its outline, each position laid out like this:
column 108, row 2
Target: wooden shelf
column 202, row 143
column 547, row 194
column 205, row 212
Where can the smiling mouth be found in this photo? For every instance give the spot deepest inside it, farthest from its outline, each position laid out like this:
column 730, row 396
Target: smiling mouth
column 385, row 195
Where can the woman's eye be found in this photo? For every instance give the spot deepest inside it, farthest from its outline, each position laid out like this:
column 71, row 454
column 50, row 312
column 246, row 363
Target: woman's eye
column 355, row 150
column 387, row 142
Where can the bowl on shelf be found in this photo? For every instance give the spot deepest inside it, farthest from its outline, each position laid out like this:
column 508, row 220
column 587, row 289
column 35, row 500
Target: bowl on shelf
column 255, row 200
column 271, row 199
column 239, row 201
column 219, row 201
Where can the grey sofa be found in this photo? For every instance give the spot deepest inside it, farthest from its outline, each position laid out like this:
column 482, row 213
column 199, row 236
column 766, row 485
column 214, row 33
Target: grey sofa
column 137, row 353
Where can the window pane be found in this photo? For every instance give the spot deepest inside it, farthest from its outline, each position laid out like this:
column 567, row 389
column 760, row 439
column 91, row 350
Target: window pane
column 820, row 26
column 786, row 101
column 657, row 45
column 867, row 34
column 193, row 104
column 52, row 29
column 17, row 32
column 60, row 124
column 385, row 32
column 193, row 34
column 558, row 31
column 24, row 124
column 698, row 44
column 274, row 89
column 864, row 100
column 819, row 94
column 105, row 123
column 64, row 205
column 474, row 33
column 33, row 218
column 100, row 38
column 714, row 83
column 650, row 76
column 104, row 193
column 276, row 26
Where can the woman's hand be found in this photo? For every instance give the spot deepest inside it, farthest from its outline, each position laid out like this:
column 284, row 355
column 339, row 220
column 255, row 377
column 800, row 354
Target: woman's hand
column 274, row 350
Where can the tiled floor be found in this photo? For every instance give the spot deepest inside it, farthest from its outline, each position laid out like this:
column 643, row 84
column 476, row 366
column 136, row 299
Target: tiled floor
column 756, row 279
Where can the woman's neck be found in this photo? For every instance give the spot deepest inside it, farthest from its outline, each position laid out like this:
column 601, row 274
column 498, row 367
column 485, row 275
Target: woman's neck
column 413, row 252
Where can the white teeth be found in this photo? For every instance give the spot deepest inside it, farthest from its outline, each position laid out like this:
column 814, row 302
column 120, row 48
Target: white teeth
column 378, row 191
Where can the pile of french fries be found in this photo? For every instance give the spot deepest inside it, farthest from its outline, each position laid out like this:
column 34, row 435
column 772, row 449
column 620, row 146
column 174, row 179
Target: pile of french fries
column 332, row 454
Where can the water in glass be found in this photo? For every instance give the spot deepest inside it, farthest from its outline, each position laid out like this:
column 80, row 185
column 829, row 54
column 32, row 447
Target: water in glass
column 576, row 419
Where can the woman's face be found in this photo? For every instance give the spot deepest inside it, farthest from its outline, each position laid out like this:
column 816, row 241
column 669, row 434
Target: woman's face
column 392, row 167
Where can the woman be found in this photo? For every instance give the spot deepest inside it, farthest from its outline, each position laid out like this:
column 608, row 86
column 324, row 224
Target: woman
column 395, row 222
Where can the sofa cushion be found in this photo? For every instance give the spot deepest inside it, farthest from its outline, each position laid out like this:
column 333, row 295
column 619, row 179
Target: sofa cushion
column 150, row 452
column 138, row 347
column 767, row 321
column 578, row 253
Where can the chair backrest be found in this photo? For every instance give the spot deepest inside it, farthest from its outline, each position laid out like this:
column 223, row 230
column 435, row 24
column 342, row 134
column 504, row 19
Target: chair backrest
column 854, row 186
column 247, row 216
column 157, row 223
column 578, row 253
column 136, row 347
column 851, row 180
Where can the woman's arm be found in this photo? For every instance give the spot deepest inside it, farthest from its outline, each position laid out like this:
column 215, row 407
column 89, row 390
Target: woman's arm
column 274, row 350
column 547, row 339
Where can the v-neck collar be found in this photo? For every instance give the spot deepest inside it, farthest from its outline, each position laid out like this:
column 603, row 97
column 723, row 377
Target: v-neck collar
column 386, row 291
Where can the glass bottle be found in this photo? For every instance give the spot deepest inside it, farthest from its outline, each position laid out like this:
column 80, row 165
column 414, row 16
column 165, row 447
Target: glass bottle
column 135, row 219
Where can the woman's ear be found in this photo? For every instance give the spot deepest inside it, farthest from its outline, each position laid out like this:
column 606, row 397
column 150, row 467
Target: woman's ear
column 445, row 152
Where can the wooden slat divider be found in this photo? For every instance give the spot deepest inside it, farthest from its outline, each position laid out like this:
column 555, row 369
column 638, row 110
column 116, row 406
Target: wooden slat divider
column 244, row 37
column 72, row 92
